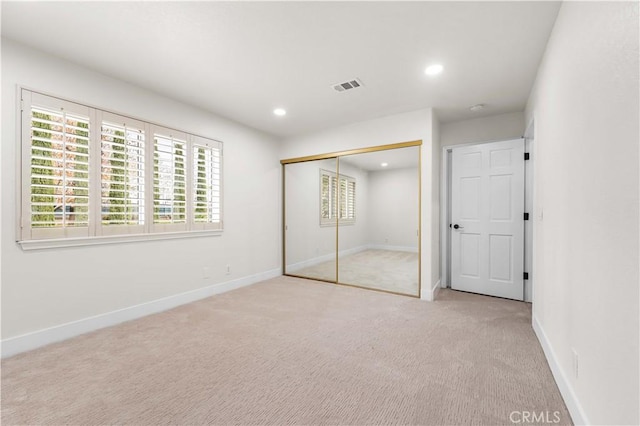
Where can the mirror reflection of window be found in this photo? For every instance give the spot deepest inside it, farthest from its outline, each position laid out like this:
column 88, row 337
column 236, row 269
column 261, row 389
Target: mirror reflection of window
column 337, row 201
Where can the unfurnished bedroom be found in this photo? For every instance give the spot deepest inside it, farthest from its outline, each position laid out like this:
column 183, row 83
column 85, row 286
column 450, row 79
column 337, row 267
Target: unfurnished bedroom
column 320, row 213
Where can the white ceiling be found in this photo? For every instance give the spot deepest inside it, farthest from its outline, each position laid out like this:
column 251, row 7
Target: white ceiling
column 243, row 59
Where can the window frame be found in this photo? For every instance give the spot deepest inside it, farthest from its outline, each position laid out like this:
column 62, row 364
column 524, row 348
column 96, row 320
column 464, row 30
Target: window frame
column 96, row 232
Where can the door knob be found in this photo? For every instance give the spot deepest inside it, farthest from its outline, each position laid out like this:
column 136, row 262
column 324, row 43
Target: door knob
column 456, row 226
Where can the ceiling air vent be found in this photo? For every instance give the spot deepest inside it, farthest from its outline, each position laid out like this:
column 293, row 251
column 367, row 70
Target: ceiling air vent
column 347, row 85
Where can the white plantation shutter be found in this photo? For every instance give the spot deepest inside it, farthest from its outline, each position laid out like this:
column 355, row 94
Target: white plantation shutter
column 347, row 199
column 334, row 197
column 122, row 207
column 207, row 179
column 169, row 180
column 328, row 206
column 325, row 197
column 343, row 198
column 91, row 173
column 57, row 174
column 351, row 200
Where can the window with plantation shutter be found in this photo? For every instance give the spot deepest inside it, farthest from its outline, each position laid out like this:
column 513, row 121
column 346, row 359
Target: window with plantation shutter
column 122, row 178
column 169, row 180
column 57, row 170
column 89, row 176
column 206, row 184
column 337, row 200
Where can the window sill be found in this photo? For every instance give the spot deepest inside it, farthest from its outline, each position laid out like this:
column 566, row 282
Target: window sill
column 333, row 224
column 28, row 245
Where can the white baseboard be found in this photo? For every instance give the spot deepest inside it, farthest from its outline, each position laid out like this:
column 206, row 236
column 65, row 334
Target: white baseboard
column 310, row 262
column 435, row 290
column 325, row 258
column 331, row 256
column 353, row 250
column 576, row 411
column 429, row 294
column 393, row 248
column 36, row 339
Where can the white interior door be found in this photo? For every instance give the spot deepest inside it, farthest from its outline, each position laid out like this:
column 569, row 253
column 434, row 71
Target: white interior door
column 487, row 213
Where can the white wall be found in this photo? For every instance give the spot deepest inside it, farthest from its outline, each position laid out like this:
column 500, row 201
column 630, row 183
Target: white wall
column 415, row 125
column 492, row 128
column 51, row 287
column 435, row 158
column 393, row 209
column 586, row 107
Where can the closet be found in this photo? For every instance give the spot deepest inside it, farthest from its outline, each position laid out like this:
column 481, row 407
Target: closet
column 353, row 218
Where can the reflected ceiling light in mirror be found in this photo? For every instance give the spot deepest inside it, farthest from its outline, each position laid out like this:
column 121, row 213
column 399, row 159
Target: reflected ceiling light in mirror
column 384, row 164
column 434, row 69
column 280, row 112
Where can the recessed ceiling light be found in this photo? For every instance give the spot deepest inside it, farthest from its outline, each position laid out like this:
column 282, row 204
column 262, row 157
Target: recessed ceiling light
column 279, row 111
column 476, row 107
column 384, row 164
column 434, row 69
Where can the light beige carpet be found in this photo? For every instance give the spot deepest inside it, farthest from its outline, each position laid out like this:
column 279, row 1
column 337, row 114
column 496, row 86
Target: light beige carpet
column 388, row 270
column 293, row 351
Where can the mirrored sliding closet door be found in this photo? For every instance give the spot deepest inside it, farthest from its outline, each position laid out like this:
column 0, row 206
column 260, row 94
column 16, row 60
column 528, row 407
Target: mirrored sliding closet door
column 353, row 218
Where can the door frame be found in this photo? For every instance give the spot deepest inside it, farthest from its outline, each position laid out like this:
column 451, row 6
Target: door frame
column 445, row 209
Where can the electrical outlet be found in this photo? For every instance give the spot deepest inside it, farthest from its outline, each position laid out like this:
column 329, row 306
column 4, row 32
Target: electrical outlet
column 575, row 363
column 206, row 273
column 228, row 270
column 386, row 240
